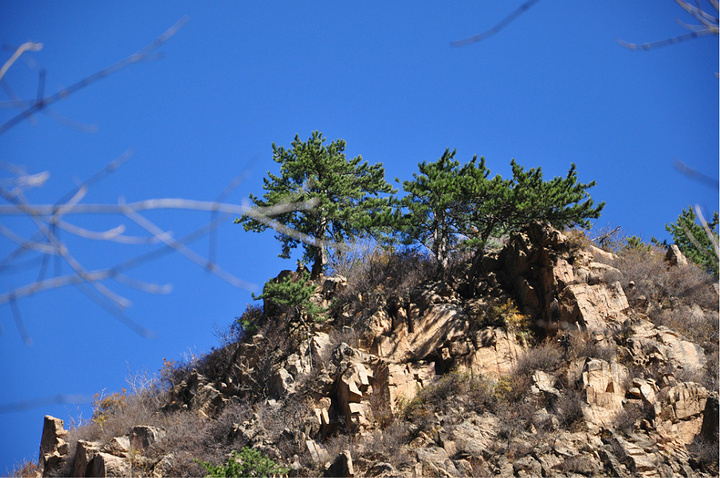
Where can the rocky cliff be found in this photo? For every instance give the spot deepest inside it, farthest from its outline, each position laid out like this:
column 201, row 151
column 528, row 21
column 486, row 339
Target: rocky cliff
column 549, row 357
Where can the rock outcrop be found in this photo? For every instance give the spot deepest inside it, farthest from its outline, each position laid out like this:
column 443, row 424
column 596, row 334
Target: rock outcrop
column 619, row 401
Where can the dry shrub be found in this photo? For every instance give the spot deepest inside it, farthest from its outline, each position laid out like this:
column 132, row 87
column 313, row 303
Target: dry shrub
column 569, row 410
column 704, row 456
column 631, row 414
column 115, row 415
column 654, row 279
column 546, row 356
column 386, row 445
column 514, row 419
column 578, row 238
column 27, row 469
column 386, row 276
column 582, row 344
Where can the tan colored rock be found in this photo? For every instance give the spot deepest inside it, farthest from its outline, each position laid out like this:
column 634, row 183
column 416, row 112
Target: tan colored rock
column 405, row 379
column 680, row 352
column 317, row 452
column 496, row 352
column 593, row 306
column 143, row 437
column 686, row 400
column 282, row 382
column 322, row 411
column 475, row 434
column 437, row 325
column 85, row 452
column 641, row 461
column 603, row 385
column 674, row 257
column 543, row 382
column 105, row 464
column 435, row 462
column 164, row 466
column 118, row 445
column 52, row 445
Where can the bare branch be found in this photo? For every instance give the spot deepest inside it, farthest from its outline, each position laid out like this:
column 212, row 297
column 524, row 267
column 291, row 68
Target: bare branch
column 708, row 25
column 499, row 26
column 696, row 175
column 142, row 55
column 708, row 232
column 20, row 324
column 28, row 46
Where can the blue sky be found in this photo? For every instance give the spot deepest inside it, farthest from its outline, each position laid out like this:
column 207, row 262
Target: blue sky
column 552, row 88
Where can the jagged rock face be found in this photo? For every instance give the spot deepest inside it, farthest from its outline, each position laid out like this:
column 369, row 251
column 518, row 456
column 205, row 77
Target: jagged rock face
column 52, row 445
column 560, row 287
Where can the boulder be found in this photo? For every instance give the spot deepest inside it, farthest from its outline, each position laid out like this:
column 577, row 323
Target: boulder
column 118, row 445
column 105, row 464
column 85, row 452
column 593, row 306
column 675, row 257
column 684, row 401
column 143, row 437
column 544, row 383
column 282, row 382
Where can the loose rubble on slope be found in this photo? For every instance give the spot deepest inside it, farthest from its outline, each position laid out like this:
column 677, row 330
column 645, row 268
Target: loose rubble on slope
column 529, row 361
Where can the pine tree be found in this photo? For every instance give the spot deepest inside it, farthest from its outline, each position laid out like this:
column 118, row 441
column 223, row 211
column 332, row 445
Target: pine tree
column 348, row 195
column 693, row 241
column 447, row 203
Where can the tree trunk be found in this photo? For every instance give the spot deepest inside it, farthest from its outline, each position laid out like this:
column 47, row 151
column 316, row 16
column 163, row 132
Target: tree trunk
column 320, row 257
column 318, row 265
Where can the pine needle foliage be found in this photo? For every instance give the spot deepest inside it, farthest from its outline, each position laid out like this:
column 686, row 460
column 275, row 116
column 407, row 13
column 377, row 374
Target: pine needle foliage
column 350, row 195
column 293, row 293
column 447, row 202
column 694, row 241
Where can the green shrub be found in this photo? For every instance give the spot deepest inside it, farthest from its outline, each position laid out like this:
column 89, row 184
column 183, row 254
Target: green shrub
column 248, row 323
column 248, row 462
column 292, row 294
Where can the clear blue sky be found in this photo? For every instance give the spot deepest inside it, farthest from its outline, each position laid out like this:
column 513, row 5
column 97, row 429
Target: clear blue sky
column 552, row 88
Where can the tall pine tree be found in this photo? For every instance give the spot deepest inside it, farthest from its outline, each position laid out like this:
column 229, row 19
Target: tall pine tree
column 349, row 194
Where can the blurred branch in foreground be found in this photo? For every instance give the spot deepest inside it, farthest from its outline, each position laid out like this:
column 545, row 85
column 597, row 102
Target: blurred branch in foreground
column 50, row 219
column 499, row 26
column 48, row 222
column 42, row 101
column 707, row 24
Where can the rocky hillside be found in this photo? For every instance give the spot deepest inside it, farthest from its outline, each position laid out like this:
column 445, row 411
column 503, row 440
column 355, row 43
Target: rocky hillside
column 549, row 357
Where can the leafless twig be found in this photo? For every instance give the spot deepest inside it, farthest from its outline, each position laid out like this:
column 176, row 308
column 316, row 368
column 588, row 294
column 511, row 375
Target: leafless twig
column 49, row 220
column 43, row 102
column 707, row 25
column 499, row 26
